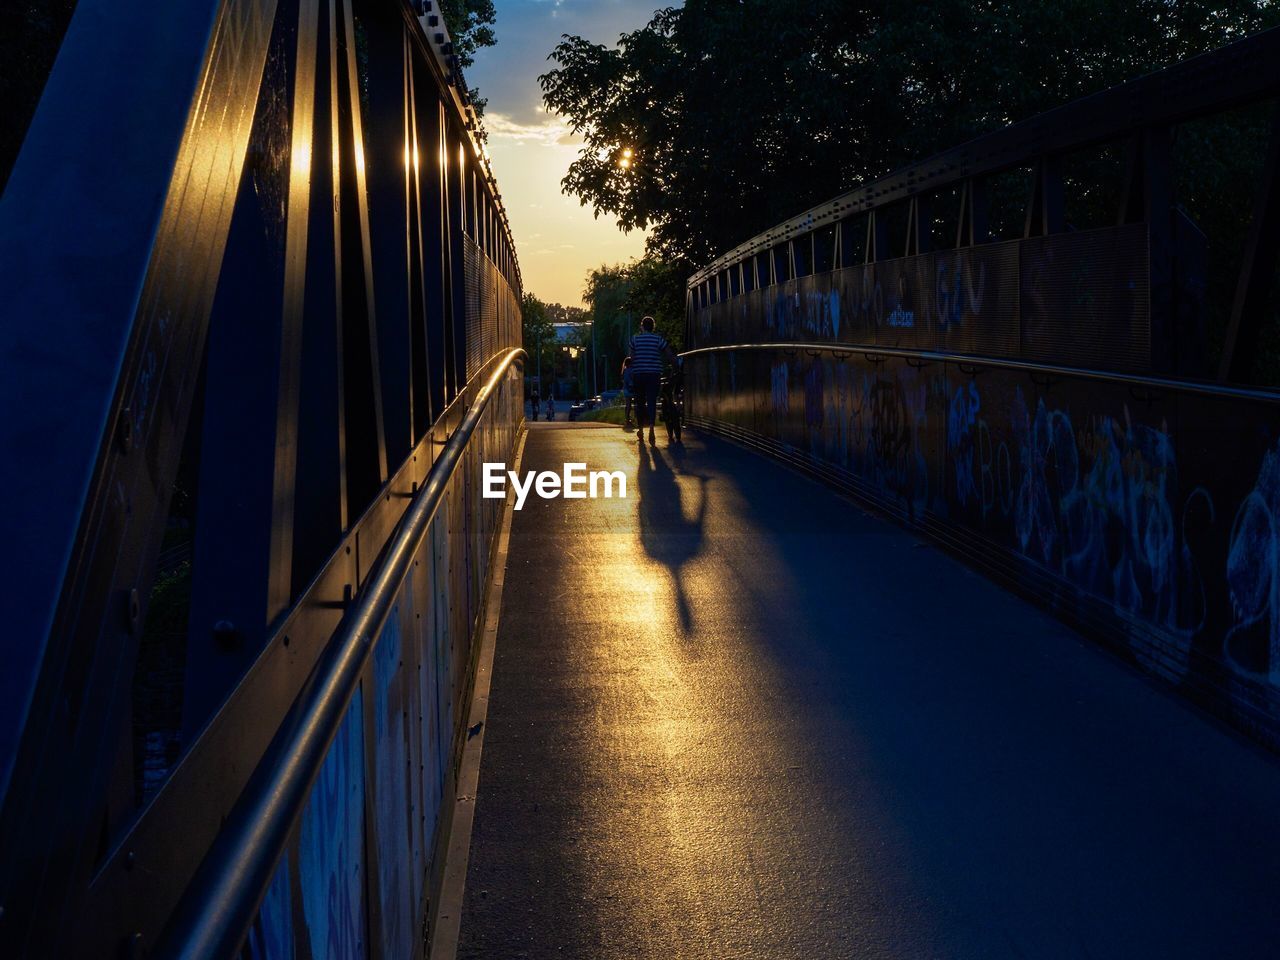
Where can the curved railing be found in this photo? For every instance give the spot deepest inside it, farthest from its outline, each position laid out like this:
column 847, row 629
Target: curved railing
column 872, row 352
column 217, row 910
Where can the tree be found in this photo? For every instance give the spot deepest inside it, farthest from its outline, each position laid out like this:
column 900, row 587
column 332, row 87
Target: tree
column 658, row 290
column 562, row 314
column 706, row 126
column 621, row 295
column 606, row 292
column 538, row 335
column 470, row 25
column 30, row 35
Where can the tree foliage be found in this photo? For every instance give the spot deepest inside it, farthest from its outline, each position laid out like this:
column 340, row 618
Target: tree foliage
column 538, row 333
column 657, row 289
column 470, row 25
column 540, row 338
column 740, row 114
column 622, row 294
column 30, row 35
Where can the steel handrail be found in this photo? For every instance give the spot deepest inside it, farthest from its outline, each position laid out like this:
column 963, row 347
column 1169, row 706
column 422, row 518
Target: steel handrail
column 1204, row 388
column 217, row 909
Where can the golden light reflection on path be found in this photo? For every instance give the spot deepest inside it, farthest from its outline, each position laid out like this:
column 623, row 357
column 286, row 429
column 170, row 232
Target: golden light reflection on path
column 685, row 838
column 733, row 716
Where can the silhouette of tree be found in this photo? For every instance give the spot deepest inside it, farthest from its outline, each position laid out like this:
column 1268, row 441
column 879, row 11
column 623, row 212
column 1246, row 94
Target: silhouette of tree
column 470, row 24
column 717, row 120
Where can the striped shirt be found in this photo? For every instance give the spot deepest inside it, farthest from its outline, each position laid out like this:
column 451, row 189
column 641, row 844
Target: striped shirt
column 646, row 352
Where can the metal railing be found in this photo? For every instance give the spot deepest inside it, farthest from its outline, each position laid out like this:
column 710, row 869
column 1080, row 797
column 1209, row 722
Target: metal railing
column 871, row 352
column 218, row 908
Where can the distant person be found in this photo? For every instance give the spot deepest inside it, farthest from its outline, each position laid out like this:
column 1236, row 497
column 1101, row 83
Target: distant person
column 628, row 389
column 648, row 350
column 533, row 403
column 551, row 408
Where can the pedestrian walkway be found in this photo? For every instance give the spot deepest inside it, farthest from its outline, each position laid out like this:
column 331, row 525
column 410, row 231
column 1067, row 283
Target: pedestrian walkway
column 736, row 716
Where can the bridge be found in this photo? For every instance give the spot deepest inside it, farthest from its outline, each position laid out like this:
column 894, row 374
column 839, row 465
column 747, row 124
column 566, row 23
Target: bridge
column 952, row 628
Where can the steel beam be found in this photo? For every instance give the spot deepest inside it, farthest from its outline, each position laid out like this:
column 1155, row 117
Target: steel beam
column 1257, row 272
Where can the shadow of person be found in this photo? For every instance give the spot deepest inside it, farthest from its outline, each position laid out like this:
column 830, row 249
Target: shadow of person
column 666, row 533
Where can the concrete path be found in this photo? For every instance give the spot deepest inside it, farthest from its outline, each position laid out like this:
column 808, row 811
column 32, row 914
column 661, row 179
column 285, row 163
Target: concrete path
column 735, row 716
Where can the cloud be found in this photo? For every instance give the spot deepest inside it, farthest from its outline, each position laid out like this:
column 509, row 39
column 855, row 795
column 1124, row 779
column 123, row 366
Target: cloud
column 549, row 132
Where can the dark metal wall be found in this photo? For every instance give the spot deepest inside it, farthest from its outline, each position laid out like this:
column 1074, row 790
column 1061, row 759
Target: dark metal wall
column 238, row 335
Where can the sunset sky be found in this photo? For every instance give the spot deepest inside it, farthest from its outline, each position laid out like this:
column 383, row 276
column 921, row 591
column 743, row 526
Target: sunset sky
column 557, row 240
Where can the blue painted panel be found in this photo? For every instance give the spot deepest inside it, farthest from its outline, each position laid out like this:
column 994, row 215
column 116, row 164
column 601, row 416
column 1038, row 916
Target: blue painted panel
column 429, row 706
column 331, row 853
column 391, row 791
column 272, row 935
column 444, row 652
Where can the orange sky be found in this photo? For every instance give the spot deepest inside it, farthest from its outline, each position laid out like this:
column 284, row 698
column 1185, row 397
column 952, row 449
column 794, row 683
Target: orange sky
column 557, row 240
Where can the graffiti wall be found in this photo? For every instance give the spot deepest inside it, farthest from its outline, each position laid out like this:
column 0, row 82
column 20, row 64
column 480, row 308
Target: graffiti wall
column 1151, row 517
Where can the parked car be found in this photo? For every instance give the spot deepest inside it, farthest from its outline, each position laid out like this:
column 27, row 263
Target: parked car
column 610, row 397
column 582, row 406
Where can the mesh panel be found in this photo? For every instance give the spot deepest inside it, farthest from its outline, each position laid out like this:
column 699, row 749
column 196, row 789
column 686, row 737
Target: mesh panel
column 473, row 270
column 1079, row 299
column 1085, row 298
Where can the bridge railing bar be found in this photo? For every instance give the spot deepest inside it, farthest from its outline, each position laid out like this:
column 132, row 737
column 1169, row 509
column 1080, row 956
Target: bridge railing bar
column 1200, row 388
column 218, row 907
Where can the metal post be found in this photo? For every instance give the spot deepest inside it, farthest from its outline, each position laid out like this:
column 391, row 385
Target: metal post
column 1248, row 310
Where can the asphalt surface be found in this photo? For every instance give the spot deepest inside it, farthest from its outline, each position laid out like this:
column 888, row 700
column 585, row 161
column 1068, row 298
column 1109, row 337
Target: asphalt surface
column 735, row 716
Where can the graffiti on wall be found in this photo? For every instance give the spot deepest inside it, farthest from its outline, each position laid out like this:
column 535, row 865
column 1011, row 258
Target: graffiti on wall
column 1090, row 484
column 1253, row 575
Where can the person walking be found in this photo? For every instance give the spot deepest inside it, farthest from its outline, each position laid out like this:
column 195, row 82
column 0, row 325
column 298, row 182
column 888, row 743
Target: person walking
column 551, row 407
column 648, row 350
column 533, row 403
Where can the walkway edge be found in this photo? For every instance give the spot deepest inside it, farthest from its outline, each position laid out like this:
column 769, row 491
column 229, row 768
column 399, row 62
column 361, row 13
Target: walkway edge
column 447, row 916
